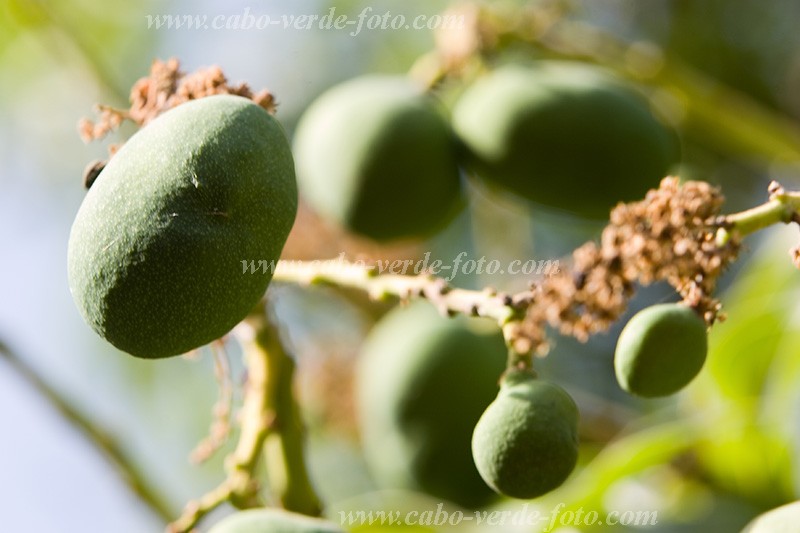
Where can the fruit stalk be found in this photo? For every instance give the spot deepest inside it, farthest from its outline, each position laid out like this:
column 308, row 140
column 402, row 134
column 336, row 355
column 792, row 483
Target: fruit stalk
column 498, row 306
column 782, row 207
column 284, row 442
column 269, row 421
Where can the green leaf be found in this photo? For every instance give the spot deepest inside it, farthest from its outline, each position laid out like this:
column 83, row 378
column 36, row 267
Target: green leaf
column 748, row 460
column 624, row 457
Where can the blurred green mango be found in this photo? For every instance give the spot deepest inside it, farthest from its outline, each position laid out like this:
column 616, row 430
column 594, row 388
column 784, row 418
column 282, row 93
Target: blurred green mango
column 376, row 156
column 422, row 383
column 273, row 521
column 564, row 135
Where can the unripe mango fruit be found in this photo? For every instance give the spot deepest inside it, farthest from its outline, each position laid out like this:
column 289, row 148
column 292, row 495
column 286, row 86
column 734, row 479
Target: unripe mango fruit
column 155, row 257
column 422, row 383
column 526, row 442
column 660, row 350
column 273, row 521
column 784, row 519
column 564, row 135
column 376, row 156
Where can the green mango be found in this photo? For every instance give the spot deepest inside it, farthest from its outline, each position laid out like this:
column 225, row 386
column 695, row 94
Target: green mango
column 564, row 135
column 422, row 383
column 526, row 442
column 157, row 252
column 273, row 521
column 660, row 350
column 784, row 519
column 376, row 156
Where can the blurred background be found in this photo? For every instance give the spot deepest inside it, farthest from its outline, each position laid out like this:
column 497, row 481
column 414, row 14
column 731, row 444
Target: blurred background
column 708, row 459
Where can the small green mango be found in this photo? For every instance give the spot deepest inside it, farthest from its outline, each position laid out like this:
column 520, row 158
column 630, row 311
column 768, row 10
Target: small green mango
column 784, row 519
column 273, row 521
column 376, row 156
column 564, row 135
column 157, row 252
column 526, row 442
column 422, row 383
column 660, row 350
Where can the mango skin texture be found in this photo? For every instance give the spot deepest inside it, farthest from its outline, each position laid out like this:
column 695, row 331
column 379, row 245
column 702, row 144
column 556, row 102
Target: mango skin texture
column 273, row 521
column 526, row 442
column 783, row 519
column 660, row 350
column 564, row 135
column 422, row 383
column 375, row 156
column 155, row 252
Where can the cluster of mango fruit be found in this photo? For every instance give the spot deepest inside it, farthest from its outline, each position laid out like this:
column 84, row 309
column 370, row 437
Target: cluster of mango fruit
column 155, row 251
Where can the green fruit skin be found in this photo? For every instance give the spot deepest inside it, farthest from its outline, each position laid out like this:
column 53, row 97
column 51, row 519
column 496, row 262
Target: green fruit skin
column 564, row 135
column 155, row 253
column 376, row 156
column 422, row 383
column 526, row 442
column 660, row 350
column 273, row 521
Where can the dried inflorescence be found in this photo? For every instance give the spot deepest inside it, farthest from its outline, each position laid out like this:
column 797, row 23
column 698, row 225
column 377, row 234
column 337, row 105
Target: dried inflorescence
column 457, row 45
column 794, row 253
column 481, row 30
column 221, row 424
column 670, row 235
column 164, row 88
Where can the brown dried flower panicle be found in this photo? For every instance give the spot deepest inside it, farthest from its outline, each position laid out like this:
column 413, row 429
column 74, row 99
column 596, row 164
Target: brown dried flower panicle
column 164, row 88
column 670, row 236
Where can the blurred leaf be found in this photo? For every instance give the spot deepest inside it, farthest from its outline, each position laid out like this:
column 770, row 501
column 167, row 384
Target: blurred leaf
column 8, row 28
column 749, row 386
column 781, row 392
column 732, row 42
column 26, row 13
column 106, row 36
column 780, row 407
column 748, row 460
column 624, row 457
column 742, row 348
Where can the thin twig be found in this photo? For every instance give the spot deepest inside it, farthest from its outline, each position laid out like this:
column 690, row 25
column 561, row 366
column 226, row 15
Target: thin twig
column 240, row 486
column 221, row 423
column 125, row 466
column 499, row 306
column 269, row 421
